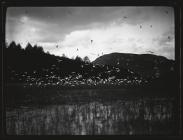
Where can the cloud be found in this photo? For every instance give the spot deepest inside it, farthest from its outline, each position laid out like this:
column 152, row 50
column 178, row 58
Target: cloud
column 114, row 38
column 112, row 29
column 48, row 46
column 166, row 43
column 25, row 29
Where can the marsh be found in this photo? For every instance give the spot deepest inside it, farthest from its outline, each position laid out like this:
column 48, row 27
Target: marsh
column 89, row 112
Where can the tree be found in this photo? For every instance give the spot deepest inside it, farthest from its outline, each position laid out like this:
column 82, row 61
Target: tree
column 19, row 47
column 78, row 59
column 15, row 47
column 28, row 47
column 40, row 49
column 63, row 55
column 86, row 59
column 12, row 45
column 48, row 52
column 35, row 47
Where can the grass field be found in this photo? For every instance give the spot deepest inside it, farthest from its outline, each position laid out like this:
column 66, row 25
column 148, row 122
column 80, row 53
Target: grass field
column 94, row 112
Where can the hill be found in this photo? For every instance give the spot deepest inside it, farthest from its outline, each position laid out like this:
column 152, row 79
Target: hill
column 146, row 65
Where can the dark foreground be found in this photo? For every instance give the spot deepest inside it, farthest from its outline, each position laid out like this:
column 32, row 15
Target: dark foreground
column 92, row 112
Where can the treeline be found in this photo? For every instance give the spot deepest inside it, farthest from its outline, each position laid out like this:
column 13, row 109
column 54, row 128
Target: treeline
column 33, row 57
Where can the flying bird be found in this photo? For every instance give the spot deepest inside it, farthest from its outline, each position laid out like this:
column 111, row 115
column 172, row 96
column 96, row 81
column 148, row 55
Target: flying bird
column 150, row 52
column 69, row 12
column 26, row 12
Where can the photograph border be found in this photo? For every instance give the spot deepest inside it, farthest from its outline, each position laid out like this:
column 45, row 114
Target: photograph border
column 176, row 4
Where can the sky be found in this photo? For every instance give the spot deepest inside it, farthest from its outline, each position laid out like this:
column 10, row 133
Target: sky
column 94, row 31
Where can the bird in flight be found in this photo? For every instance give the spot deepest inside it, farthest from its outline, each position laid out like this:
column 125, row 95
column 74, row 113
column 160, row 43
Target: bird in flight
column 69, row 12
column 150, row 52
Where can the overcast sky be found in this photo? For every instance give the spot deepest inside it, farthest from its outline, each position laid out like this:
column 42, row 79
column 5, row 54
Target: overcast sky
column 93, row 31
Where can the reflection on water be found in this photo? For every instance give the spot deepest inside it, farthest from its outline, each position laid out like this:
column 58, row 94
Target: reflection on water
column 123, row 116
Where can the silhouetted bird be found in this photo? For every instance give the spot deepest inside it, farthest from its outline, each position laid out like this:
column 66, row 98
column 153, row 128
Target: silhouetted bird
column 69, row 12
column 150, row 52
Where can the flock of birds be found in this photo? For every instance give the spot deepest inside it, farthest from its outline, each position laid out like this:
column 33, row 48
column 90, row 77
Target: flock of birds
column 72, row 80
